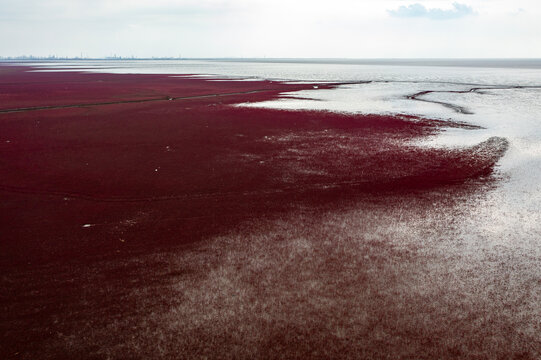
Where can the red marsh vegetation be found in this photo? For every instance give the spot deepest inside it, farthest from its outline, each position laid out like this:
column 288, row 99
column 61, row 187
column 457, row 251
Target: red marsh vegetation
column 150, row 210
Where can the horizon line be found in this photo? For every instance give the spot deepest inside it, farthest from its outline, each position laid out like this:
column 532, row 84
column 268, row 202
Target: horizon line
column 54, row 57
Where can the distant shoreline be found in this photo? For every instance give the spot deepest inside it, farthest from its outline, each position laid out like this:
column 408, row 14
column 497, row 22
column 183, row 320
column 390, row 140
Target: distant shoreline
column 514, row 63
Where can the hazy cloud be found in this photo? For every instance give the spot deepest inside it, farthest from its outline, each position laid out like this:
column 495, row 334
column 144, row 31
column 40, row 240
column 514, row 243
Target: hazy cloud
column 419, row 10
column 277, row 28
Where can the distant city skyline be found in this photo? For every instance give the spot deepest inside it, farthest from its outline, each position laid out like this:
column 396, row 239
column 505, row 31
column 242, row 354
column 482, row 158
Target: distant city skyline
column 274, row 29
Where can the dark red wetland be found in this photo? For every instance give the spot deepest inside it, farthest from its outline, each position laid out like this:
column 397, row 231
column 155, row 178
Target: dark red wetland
column 138, row 213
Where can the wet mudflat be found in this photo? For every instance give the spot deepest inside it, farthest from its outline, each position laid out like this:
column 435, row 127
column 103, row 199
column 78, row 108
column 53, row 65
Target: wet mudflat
column 143, row 218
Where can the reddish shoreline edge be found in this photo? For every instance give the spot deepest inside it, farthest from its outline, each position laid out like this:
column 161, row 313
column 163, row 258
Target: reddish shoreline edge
column 73, row 174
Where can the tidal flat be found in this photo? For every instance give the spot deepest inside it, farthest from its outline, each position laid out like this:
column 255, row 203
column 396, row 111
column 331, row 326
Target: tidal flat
column 150, row 216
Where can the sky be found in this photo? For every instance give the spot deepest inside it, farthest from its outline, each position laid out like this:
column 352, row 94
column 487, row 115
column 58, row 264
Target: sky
column 277, row 28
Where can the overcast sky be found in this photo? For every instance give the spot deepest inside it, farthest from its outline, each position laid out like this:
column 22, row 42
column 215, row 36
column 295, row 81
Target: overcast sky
column 272, row 28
